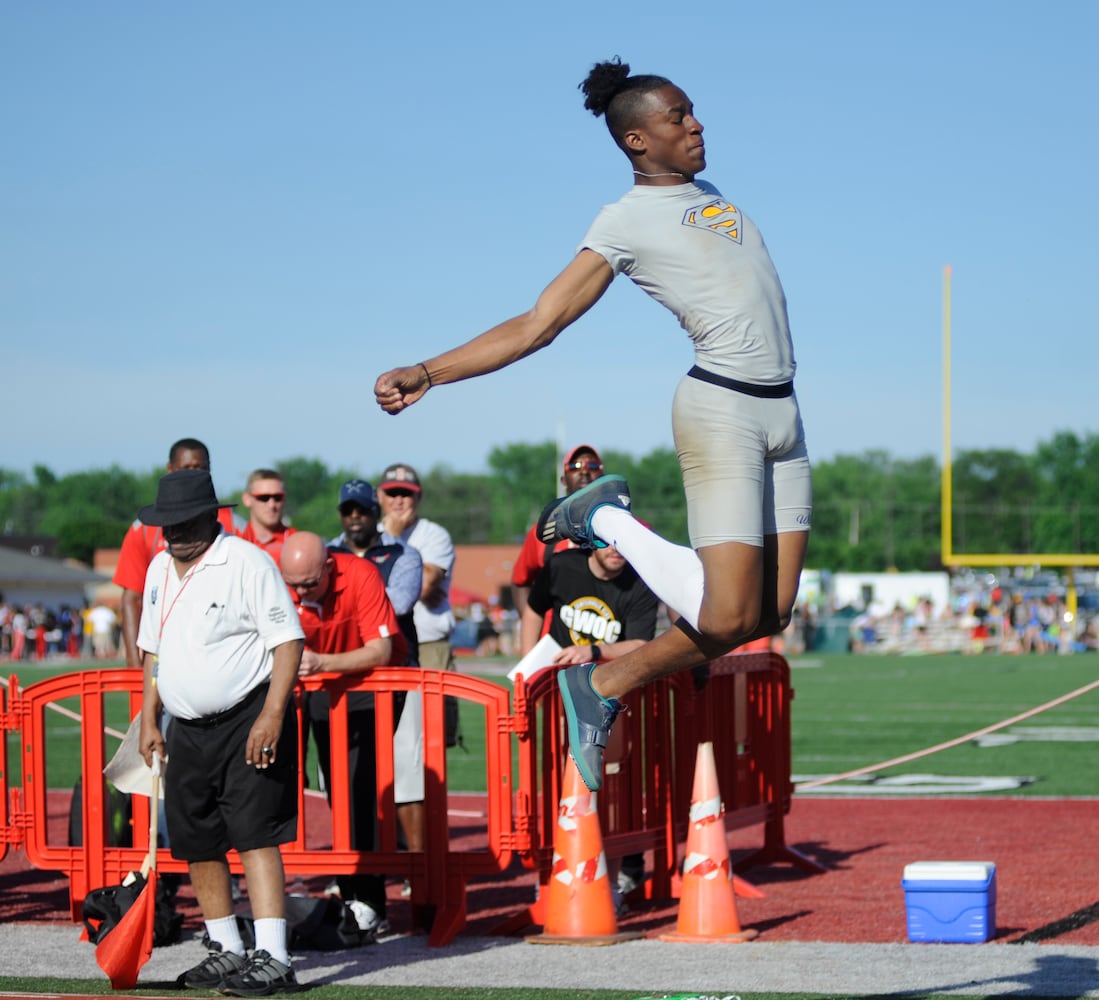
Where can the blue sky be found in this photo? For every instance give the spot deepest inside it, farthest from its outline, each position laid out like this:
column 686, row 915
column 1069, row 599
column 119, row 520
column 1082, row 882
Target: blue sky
column 224, row 220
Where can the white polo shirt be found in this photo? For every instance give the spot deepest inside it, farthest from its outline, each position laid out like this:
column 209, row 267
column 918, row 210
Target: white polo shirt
column 214, row 630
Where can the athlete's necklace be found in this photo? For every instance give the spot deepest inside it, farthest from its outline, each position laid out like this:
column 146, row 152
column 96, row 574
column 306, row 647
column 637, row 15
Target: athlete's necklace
column 674, row 173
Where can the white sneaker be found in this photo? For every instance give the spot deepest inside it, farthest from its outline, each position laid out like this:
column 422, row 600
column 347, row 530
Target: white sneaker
column 627, row 882
column 367, row 918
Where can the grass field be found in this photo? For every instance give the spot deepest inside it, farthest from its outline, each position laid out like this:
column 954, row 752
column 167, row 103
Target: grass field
column 854, row 711
column 849, row 712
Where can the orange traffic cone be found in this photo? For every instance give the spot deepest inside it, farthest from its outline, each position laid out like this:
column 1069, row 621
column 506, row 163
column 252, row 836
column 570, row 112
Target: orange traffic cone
column 707, row 903
column 579, row 903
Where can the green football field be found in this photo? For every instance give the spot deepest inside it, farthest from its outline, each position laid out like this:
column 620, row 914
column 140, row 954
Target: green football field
column 849, row 712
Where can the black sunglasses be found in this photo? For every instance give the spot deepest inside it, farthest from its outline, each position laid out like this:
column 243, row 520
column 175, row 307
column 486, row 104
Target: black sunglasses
column 585, row 463
column 353, row 507
column 265, row 497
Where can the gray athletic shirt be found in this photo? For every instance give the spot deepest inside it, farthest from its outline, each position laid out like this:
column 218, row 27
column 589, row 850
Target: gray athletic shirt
column 705, row 260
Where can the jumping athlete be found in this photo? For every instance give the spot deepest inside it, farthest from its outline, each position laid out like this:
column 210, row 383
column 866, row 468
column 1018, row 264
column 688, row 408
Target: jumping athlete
column 738, row 430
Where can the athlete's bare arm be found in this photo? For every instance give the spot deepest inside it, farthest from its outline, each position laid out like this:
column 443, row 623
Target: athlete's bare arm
column 571, row 294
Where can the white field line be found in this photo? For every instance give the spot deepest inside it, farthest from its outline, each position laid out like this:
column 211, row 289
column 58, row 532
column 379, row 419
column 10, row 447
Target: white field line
column 818, row 782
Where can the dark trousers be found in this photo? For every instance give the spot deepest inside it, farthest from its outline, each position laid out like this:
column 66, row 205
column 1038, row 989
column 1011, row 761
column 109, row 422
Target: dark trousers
column 363, row 785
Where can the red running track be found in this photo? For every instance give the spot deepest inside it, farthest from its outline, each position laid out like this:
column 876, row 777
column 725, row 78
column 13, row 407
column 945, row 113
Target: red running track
column 1042, row 850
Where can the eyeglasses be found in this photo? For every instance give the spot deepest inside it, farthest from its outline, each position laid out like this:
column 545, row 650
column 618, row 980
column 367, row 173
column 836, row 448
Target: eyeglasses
column 398, row 493
column 268, row 497
column 309, row 584
column 584, row 463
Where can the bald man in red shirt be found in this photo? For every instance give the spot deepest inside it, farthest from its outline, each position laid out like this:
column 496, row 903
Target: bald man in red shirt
column 350, row 626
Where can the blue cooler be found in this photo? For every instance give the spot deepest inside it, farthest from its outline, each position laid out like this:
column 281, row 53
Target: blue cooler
column 950, row 901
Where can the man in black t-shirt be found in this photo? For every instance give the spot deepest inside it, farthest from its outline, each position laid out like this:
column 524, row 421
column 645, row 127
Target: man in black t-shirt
column 601, row 608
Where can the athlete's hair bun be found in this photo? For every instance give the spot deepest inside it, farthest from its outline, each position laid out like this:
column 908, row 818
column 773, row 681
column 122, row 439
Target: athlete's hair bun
column 603, row 82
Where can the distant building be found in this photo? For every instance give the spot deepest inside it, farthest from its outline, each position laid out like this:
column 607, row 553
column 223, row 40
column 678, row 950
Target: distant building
column 482, row 575
column 28, row 579
column 33, row 545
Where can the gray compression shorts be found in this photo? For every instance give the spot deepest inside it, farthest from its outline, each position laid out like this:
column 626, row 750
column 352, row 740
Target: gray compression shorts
column 744, row 461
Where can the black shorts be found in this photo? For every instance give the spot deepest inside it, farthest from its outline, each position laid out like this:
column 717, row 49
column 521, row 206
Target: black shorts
column 213, row 800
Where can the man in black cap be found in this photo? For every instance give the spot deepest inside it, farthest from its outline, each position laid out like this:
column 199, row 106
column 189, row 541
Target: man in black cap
column 401, row 567
column 221, row 643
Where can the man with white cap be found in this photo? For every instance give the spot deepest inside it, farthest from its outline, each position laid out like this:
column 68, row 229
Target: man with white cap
column 400, row 494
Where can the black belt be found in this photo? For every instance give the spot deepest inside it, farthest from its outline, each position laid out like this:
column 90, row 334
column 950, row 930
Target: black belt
column 780, row 391
column 220, row 718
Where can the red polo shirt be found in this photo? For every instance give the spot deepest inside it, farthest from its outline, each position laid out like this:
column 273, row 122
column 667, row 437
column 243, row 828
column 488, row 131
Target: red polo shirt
column 355, row 611
column 273, row 546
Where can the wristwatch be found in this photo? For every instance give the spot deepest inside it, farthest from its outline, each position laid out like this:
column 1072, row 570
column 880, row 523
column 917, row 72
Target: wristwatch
column 596, row 653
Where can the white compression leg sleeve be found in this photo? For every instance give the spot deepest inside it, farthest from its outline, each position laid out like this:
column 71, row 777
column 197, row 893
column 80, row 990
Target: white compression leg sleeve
column 672, row 572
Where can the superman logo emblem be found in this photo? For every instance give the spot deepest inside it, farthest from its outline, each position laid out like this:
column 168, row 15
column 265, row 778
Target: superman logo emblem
column 718, row 217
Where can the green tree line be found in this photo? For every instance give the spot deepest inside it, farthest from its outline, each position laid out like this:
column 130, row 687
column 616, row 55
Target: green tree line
column 872, row 511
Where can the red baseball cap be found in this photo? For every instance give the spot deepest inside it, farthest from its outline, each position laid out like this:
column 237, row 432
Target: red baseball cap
column 400, row 477
column 570, row 456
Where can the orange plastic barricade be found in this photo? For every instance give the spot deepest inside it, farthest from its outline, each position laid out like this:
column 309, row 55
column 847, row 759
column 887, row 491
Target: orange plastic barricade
column 6, row 835
column 744, row 710
column 438, row 874
column 92, row 696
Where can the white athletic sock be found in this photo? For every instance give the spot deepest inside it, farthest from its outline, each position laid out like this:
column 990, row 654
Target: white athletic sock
column 225, row 932
column 271, row 938
column 672, row 572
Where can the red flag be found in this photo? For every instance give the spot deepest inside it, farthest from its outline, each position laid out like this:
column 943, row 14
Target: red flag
column 127, row 946
column 123, row 948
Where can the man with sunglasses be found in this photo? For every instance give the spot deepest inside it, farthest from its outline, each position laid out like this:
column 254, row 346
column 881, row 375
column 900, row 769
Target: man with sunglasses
column 265, row 498
column 400, row 493
column 582, row 466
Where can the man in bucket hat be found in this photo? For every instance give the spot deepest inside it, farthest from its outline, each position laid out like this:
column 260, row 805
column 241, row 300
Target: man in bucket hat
column 221, row 643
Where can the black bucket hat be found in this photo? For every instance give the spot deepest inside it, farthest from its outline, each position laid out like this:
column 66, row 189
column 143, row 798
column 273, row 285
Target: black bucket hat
column 181, row 495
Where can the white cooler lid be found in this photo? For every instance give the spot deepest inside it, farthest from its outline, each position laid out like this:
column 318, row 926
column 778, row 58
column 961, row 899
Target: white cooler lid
column 949, row 871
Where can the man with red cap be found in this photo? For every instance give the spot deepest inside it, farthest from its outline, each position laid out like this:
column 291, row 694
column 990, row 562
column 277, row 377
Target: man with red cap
column 582, row 466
